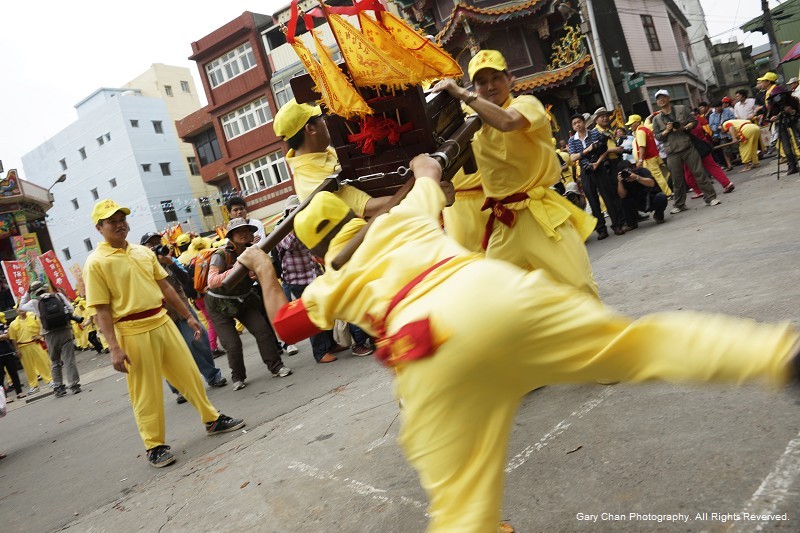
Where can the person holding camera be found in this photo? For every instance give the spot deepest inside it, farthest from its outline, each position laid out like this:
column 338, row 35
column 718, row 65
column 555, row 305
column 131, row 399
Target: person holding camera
column 671, row 126
column 589, row 149
column 781, row 111
column 638, row 191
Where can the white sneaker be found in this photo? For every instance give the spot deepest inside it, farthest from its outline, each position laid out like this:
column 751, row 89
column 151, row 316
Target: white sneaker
column 714, row 202
column 283, row 372
column 291, row 349
column 239, row 385
column 33, row 390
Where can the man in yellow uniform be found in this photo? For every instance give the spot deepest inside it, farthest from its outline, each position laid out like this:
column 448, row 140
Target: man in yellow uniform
column 311, row 158
column 645, row 151
column 465, row 221
column 748, row 135
column 530, row 225
column 438, row 311
column 25, row 333
column 128, row 288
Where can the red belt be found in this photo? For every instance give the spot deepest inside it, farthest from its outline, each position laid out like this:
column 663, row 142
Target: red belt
column 142, row 314
column 500, row 212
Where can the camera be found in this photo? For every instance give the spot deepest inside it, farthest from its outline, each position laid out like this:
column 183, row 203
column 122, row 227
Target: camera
column 161, row 249
column 625, row 174
column 676, row 125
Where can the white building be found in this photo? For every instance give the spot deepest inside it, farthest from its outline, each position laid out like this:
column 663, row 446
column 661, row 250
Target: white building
column 124, row 147
column 697, row 32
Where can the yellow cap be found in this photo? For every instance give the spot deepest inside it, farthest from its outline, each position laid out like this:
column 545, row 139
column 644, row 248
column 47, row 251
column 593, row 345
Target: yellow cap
column 769, row 76
column 316, row 221
column 200, row 243
column 291, row 118
column 105, row 208
column 486, row 59
column 183, row 239
column 218, row 243
column 632, row 119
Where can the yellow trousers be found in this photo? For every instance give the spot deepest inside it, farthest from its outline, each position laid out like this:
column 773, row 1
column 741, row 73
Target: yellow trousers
column 748, row 149
column 526, row 246
column 35, row 361
column 459, row 404
column 464, row 221
column 156, row 354
column 654, row 166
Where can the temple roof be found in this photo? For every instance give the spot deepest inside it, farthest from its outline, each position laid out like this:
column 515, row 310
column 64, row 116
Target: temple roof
column 550, row 79
column 487, row 15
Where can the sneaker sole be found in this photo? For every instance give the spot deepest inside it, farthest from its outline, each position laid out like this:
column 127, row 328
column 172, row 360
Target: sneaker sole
column 282, row 376
column 228, row 430
column 162, row 464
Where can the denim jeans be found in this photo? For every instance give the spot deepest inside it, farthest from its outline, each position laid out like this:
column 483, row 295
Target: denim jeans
column 201, row 352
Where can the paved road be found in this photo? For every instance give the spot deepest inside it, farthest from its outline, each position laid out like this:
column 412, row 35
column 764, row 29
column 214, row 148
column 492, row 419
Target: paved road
column 319, row 453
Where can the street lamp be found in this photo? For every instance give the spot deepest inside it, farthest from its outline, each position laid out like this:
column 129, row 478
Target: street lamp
column 62, row 178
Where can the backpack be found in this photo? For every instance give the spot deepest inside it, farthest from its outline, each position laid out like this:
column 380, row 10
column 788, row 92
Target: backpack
column 52, row 312
column 200, row 266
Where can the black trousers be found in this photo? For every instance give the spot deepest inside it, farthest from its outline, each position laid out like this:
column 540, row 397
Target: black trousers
column 601, row 183
column 9, row 362
column 656, row 203
column 95, row 342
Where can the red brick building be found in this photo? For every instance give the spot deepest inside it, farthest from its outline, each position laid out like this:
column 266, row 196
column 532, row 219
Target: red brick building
column 236, row 147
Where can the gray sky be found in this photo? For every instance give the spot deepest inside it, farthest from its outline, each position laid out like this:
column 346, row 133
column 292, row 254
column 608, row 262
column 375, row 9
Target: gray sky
column 54, row 54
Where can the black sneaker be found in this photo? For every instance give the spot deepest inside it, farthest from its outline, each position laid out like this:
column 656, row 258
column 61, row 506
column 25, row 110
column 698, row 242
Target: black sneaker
column 224, row 424
column 159, row 457
column 180, row 399
column 60, row 393
column 221, row 382
column 76, row 389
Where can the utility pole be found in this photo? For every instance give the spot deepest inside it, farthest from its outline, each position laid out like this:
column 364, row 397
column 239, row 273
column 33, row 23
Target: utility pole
column 773, row 42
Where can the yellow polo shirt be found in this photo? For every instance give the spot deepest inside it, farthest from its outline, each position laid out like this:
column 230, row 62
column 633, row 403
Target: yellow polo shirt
column 23, row 331
column 309, row 170
column 125, row 279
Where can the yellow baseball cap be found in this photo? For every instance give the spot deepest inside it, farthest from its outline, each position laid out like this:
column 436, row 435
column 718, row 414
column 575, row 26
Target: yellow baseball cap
column 183, row 239
column 105, row 208
column 323, row 214
column 486, row 59
column 769, row 76
column 291, row 118
column 632, row 119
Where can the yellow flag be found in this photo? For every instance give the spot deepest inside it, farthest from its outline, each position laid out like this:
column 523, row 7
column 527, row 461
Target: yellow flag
column 425, row 51
column 338, row 94
column 384, row 41
column 368, row 65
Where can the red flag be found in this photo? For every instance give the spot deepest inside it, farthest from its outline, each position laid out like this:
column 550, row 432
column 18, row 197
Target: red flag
column 55, row 273
column 17, row 277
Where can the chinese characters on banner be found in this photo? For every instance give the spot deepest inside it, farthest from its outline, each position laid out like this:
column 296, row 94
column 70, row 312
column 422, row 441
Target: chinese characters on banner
column 55, row 272
column 26, row 249
column 77, row 273
column 17, row 276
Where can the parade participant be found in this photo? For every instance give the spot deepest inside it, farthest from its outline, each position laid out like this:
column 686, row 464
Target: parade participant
column 200, row 348
column 242, row 303
column 54, row 312
column 25, row 334
column 439, row 310
column 8, row 360
column 645, row 152
column 127, row 287
column 530, row 225
column 465, row 221
column 182, row 245
column 311, row 158
column 748, row 135
column 671, row 126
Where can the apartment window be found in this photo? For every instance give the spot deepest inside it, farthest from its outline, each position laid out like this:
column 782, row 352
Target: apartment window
column 262, row 173
column 169, row 211
column 207, row 147
column 75, row 203
column 146, row 167
column 283, row 92
column 205, row 206
column 66, row 254
column 63, row 163
column 246, row 118
column 100, row 141
column 168, row 90
column 108, row 137
column 82, row 151
column 95, row 195
column 230, row 65
column 88, row 244
column 194, row 169
column 165, row 169
column 113, row 182
column 157, row 126
column 134, row 123
column 185, row 86
column 650, row 33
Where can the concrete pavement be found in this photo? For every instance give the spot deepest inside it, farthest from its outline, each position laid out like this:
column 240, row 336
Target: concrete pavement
column 319, row 452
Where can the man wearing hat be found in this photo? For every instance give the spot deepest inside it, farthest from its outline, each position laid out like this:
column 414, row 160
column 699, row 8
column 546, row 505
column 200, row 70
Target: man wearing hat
column 54, row 311
column 200, row 348
column 25, row 333
column 128, row 288
column 439, row 311
column 671, row 126
column 311, row 158
column 610, row 164
column 242, row 303
column 530, row 224
column 645, row 151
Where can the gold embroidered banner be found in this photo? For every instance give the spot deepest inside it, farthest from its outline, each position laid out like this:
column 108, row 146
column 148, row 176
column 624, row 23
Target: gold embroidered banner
column 425, row 51
column 384, row 41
